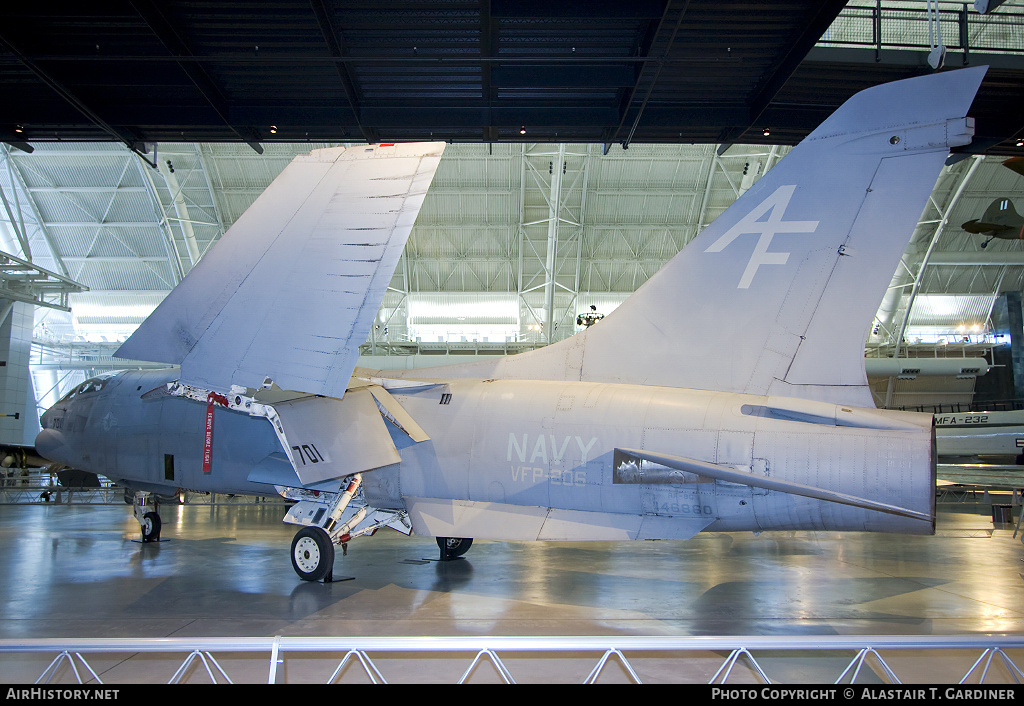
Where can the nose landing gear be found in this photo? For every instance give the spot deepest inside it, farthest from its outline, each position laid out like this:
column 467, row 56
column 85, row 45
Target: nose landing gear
column 146, row 512
column 151, row 527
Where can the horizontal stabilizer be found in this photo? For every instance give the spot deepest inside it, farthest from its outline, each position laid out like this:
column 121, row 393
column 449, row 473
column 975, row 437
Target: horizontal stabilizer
column 731, row 475
column 984, row 228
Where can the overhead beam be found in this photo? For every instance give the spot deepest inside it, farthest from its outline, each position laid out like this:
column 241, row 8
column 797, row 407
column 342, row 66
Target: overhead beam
column 797, row 49
column 172, row 41
column 971, row 259
column 642, row 74
column 488, row 42
column 129, row 140
column 344, row 70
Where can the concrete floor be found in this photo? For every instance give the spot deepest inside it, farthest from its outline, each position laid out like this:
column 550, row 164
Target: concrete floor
column 79, row 571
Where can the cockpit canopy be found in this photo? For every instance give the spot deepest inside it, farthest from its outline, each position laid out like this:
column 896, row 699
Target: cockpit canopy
column 94, row 384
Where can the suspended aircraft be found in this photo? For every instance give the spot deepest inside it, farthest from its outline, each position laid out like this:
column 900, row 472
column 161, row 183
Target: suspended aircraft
column 632, row 429
column 1015, row 164
column 1000, row 220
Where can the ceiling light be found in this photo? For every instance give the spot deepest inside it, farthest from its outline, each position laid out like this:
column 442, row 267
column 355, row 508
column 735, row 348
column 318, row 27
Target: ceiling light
column 522, row 130
column 19, row 129
column 273, row 129
column 766, row 132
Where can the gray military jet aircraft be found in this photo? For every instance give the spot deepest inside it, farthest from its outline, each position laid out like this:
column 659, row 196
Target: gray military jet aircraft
column 633, row 429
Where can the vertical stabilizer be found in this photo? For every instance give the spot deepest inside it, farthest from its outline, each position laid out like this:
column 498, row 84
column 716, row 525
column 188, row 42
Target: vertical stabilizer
column 776, row 296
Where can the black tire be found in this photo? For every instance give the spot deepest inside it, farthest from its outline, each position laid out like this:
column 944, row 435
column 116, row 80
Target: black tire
column 453, row 547
column 151, row 527
column 312, row 554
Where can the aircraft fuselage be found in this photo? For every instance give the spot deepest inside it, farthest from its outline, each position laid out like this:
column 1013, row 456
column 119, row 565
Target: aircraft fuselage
column 542, row 453
column 152, row 444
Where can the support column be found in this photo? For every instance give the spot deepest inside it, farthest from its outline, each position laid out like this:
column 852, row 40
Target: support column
column 19, row 422
column 550, row 268
column 1014, row 326
column 553, row 201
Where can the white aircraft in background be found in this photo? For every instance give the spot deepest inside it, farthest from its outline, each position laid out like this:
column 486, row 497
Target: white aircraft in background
column 981, row 448
column 996, row 437
column 633, row 429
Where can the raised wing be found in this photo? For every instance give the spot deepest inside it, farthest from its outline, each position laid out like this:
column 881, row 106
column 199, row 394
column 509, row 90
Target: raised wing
column 291, row 290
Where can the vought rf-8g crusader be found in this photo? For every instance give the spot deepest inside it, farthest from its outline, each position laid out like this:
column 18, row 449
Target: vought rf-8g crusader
column 629, row 430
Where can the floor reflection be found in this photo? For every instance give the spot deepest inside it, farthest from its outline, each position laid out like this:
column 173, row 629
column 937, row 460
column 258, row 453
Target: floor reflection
column 79, row 571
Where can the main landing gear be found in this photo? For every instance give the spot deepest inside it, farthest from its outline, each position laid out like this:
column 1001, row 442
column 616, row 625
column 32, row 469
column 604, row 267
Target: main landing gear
column 313, row 554
column 313, row 545
column 453, row 547
column 327, row 520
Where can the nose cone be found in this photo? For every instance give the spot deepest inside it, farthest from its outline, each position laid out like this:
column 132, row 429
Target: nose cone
column 50, row 445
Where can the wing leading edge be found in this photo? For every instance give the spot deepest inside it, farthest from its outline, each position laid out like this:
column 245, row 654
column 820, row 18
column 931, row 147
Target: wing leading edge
column 291, row 290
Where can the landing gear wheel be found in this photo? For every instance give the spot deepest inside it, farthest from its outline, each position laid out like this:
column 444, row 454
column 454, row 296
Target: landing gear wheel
column 151, row 527
column 453, row 547
column 312, row 554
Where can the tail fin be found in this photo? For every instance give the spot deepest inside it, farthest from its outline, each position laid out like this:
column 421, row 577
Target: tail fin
column 999, row 217
column 776, row 296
